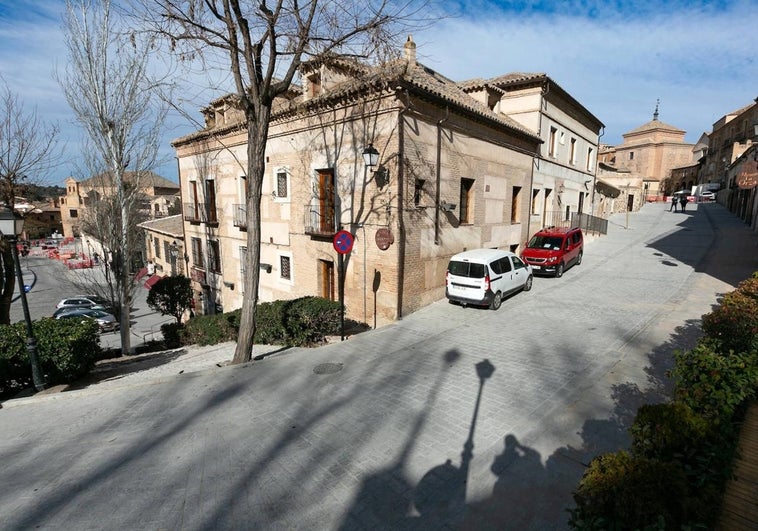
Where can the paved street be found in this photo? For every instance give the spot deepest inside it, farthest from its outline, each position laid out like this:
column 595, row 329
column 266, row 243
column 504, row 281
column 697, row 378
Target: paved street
column 51, row 281
column 392, row 429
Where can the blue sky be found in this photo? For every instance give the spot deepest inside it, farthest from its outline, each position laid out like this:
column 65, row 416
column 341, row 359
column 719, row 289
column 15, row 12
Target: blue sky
column 616, row 58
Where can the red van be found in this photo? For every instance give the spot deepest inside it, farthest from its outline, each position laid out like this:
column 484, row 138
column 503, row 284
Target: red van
column 552, row 250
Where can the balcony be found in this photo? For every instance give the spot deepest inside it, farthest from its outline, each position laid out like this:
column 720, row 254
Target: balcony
column 200, row 213
column 319, row 219
column 240, row 216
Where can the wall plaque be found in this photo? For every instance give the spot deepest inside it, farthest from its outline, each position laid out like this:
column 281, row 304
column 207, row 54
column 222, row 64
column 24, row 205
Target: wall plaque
column 384, row 239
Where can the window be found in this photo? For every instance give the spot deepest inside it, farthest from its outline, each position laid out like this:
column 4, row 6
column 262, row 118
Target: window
column 515, row 204
column 281, row 185
column 562, row 138
column 631, row 155
column 210, row 198
column 166, row 249
column 73, row 213
column 243, row 266
column 552, row 147
column 572, row 152
column 314, row 84
column 589, row 159
column 157, row 247
column 535, row 206
column 197, row 253
column 418, row 191
column 214, row 256
column 285, row 267
column 466, row 199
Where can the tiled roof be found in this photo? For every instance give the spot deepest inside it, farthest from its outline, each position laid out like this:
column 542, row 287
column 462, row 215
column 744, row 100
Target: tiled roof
column 172, row 225
column 420, row 77
column 654, row 125
column 147, row 179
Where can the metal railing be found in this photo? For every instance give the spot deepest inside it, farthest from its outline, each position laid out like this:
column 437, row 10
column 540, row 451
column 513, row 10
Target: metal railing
column 586, row 222
column 319, row 219
column 200, row 213
column 240, row 216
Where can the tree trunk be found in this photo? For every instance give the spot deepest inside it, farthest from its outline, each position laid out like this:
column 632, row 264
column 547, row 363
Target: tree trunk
column 9, row 277
column 256, row 156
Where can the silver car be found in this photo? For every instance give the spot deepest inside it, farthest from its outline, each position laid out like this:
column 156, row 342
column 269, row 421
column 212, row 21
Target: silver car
column 105, row 321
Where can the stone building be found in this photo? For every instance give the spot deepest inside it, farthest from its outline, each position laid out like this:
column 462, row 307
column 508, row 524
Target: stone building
column 649, row 153
column 563, row 176
column 158, row 194
column 452, row 174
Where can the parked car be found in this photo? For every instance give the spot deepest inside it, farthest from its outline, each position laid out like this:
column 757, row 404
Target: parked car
column 85, row 301
column 106, row 321
column 706, row 197
column 552, row 250
column 483, row 277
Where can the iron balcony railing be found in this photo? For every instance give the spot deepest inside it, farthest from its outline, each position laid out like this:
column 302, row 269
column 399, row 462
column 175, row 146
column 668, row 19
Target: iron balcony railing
column 240, row 216
column 200, row 213
column 319, row 219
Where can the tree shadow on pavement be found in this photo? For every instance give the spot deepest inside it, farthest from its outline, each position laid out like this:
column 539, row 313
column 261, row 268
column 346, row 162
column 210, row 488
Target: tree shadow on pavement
column 530, row 495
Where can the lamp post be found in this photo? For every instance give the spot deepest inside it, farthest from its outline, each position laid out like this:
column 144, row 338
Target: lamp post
column 174, row 251
column 11, row 225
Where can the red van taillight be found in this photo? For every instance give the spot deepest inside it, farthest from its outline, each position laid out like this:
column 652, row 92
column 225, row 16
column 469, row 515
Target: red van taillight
column 486, row 282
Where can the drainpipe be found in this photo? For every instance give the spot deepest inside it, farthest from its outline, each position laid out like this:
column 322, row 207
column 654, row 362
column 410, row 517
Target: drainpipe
column 400, row 211
column 597, row 165
column 439, row 178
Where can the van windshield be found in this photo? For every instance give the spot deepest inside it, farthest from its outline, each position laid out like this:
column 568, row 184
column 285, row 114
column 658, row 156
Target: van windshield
column 466, row 269
column 545, row 242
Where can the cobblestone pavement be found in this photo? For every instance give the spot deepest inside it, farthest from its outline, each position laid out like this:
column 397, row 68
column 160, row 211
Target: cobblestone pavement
column 451, row 418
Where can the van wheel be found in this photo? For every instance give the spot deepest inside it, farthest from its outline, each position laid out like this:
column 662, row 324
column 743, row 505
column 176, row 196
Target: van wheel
column 497, row 300
column 559, row 270
column 579, row 258
column 528, row 283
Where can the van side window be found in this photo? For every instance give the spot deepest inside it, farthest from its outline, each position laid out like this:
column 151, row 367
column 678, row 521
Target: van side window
column 497, row 267
column 517, row 263
column 505, row 264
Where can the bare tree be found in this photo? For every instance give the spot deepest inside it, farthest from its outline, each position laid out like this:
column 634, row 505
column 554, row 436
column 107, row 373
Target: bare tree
column 263, row 45
column 28, row 149
column 108, row 87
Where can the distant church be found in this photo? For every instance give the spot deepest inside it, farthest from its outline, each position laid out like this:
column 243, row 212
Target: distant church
column 642, row 163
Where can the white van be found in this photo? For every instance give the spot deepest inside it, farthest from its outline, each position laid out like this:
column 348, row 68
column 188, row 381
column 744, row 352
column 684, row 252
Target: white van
column 482, row 277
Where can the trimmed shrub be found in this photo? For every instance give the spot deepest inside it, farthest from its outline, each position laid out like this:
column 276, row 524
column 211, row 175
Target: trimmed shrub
column 66, row 350
column 735, row 321
column 208, row 330
column 172, row 334
column 712, row 384
column 668, row 431
column 299, row 322
column 623, row 491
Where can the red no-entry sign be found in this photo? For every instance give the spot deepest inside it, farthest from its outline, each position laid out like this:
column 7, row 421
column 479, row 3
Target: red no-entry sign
column 343, row 242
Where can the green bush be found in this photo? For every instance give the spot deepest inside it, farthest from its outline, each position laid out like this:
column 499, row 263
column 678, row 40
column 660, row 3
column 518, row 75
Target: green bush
column 713, row 384
column 668, row 431
column 299, row 322
column 623, row 491
column 735, row 321
column 172, row 334
column 208, row 330
column 66, row 350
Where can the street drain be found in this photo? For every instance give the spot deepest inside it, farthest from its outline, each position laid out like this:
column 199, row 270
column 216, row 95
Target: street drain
column 327, row 368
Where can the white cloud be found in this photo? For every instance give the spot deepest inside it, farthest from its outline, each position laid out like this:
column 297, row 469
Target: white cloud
column 617, row 59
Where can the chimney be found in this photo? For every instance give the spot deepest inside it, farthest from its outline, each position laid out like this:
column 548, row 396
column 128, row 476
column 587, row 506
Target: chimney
column 410, row 51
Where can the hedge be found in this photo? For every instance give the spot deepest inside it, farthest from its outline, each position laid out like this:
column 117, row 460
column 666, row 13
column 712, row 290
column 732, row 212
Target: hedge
column 66, row 350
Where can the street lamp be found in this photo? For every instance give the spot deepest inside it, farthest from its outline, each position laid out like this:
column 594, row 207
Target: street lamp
column 11, row 225
column 370, row 156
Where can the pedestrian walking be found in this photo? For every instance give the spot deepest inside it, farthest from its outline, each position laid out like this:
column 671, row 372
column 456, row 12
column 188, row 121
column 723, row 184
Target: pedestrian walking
column 150, row 268
column 683, row 202
column 673, row 204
